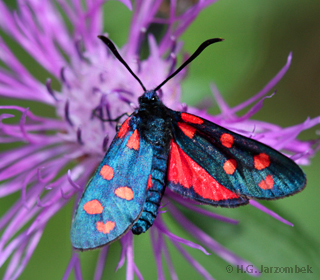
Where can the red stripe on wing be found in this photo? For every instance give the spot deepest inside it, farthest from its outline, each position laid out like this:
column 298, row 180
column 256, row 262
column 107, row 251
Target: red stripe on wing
column 191, row 118
column 124, row 128
column 186, row 172
column 134, row 141
column 187, row 129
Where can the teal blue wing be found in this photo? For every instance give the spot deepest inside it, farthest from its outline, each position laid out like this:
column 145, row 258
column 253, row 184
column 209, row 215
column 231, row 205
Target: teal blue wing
column 114, row 197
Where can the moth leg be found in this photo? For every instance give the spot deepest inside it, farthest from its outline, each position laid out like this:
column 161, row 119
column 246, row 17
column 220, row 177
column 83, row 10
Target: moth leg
column 97, row 114
column 118, row 125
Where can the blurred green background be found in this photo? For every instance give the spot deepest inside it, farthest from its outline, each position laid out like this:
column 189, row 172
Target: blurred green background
column 259, row 34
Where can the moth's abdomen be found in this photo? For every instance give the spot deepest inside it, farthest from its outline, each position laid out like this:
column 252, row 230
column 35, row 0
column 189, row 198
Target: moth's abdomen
column 155, row 190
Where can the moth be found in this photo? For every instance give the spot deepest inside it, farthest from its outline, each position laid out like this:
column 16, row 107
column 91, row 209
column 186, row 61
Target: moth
column 158, row 148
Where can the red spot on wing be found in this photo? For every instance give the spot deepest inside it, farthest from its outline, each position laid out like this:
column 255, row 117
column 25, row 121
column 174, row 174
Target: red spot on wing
column 93, row 207
column 191, row 118
column 134, row 141
column 149, row 182
column 186, row 172
column 267, row 183
column 124, row 128
column 107, row 172
column 105, row 228
column 187, row 129
column 261, row 161
column 230, row 166
column 227, row 140
column 124, row 192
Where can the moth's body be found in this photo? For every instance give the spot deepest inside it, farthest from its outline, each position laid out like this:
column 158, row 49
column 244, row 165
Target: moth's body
column 153, row 122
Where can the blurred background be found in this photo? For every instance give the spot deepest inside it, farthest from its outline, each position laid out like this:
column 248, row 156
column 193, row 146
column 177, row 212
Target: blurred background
column 258, row 35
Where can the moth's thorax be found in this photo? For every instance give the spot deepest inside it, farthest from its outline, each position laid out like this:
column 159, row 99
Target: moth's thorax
column 153, row 119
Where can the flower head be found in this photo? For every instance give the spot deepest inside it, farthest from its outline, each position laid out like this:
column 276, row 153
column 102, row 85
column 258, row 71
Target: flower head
column 92, row 82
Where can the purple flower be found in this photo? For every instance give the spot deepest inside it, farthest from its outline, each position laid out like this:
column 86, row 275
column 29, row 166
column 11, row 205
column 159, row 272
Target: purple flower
column 93, row 80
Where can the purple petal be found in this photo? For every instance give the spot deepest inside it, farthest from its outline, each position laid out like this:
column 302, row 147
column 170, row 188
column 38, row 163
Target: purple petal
column 157, row 244
column 20, row 219
column 224, row 108
column 160, row 225
column 11, row 186
column 72, row 183
column 77, row 269
column 32, row 244
column 31, row 161
column 142, row 17
column 14, row 262
column 266, row 89
column 127, row 3
column 101, row 263
column 166, row 254
column 206, row 239
column 269, row 212
column 175, row 30
column 184, row 202
column 8, row 157
column 123, row 242
column 137, row 272
column 15, row 243
column 70, row 266
column 193, row 262
column 45, row 216
column 254, row 109
column 129, row 255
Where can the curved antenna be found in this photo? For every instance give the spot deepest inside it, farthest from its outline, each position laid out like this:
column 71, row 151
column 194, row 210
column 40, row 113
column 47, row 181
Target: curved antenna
column 192, row 57
column 113, row 49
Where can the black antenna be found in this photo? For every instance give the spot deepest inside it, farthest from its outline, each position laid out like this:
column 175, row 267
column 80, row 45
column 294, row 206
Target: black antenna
column 192, row 57
column 112, row 48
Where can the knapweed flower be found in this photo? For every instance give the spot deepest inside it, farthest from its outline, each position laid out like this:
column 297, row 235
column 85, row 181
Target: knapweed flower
column 93, row 82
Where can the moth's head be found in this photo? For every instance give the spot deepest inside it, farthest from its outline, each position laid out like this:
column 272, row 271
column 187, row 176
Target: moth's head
column 149, row 98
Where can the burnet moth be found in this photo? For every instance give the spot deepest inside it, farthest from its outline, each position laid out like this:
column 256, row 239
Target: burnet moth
column 156, row 148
